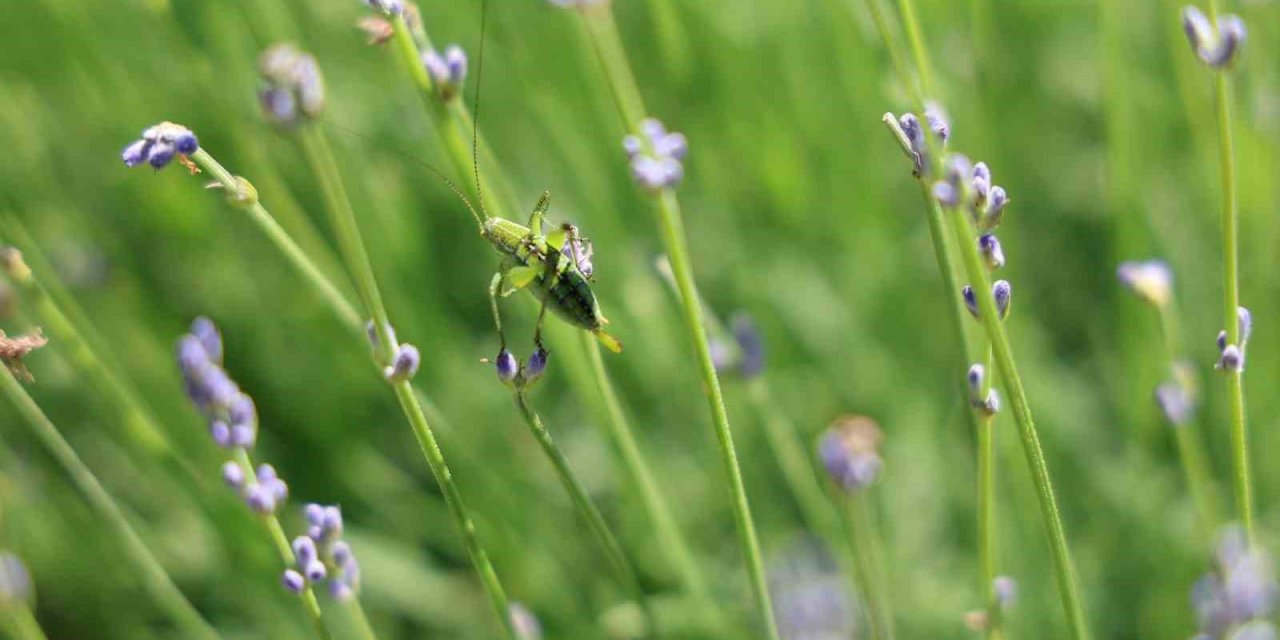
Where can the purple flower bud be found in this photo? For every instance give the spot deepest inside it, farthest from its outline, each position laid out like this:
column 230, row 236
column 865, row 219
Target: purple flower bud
column 278, row 106
column 242, row 411
column 507, row 366
column 266, row 473
column 405, row 364
column 293, row 581
column 339, row 591
column 946, row 194
column 750, row 343
column 1232, row 359
column 456, row 61
column 849, row 452
column 260, row 499
column 982, row 172
column 193, row 358
column 341, row 552
column 525, row 623
column 632, row 146
column 1005, row 590
column 233, row 474
column 1244, row 320
column 243, row 436
column 991, row 405
column 992, row 253
column 314, row 514
column 996, row 202
column 279, row 490
column 1003, row 293
column 388, row 7
column 15, row 580
column 221, row 434
column 1222, row 340
column 186, row 143
column 332, row 523
column 315, row 571
column 537, row 365
column 660, row 166
column 938, row 121
column 210, row 338
column 136, row 153
column 970, row 300
column 161, row 154
column 1197, row 27
column 1175, row 403
column 304, row 550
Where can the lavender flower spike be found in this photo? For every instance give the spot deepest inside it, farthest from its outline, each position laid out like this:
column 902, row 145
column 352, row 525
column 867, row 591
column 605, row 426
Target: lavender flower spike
column 322, row 556
column 293, row 88
column 159, row 145
column 850, row 452
column 448, row 71
column 1215, row 46
column 992, row 253
column 657, row 157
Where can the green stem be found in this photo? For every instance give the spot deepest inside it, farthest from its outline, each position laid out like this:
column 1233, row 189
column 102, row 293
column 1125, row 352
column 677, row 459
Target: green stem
column 23, row 623
column 156, row 581
column 582, row 502
column 343, row 219
column 859, row 522
column 988, row 554
column 1068, row 588
column 1190, row 450
column 603, row 33
column 655, row 505
column 912, row 25
column 362, row 621
column 279, row 539
column 1231, row 301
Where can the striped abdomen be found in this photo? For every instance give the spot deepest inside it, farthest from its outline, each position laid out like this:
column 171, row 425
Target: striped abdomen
column 569, row 296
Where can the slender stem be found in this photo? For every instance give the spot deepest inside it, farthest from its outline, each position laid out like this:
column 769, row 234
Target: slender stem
column 603, row 33
column 912, row 25
column 1068, row 588
column 347, row 230
column 1190, row 450
column 794, row 460
column 280, row 540
column 156, row 581
column 655, row 505
column 1231, row 301
column 582, row 501
column 988, row 554
column 859, row 520
column 23, row 623
column 362, row 621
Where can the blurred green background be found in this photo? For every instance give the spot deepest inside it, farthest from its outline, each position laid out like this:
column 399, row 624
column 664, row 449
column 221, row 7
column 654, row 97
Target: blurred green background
column 800, row 210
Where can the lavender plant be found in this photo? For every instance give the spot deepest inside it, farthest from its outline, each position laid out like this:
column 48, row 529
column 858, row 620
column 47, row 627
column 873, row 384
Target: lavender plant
column 966, row 194
column 155, row 579
column 1237, row 598
column 656, row 159
column 1216, row 40
column 850, row 452
column 1177, row 396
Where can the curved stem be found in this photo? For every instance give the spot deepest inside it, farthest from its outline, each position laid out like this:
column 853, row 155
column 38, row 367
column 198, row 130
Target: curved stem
column 23, row 623
column 342, row 217
column 582, row 502
column 603, row 34
column 154, row 578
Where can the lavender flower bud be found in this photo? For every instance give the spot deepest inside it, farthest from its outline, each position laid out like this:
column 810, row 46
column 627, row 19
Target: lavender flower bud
column 315, row 571
column 340, row 591
column 448, row 71
column 242, row 411
column 1005, row 590
column 210, row 338
column 405, row 364
column 135, row 153
column 526, row 624
column 996, row 202
column 1197, row 27
column 1244, row 320
column 1222, row 340
column 911, row 127
column 1175, row 403
column 750, row 343
column 1150, row 280
column 221, row 434
column 507, row 366
column 970, row 300
column 1215, row 47
column 162, row 153
column 946, row 194
column 159, row 145
column 15, row 580
column 849, row 452
column 982, row 172
column 1003, row 293
column 293, row 581
column 660, row 165
column 536, row 366
column 261, row 499
column 314, row 513
column 373, row 335
column 332, row 522
column 233, row 474
column 388, row 7
column 976, row 378
column 992, row 253
column 938, row 121
column 293, row 88
column 341, row 553
column 1231, row 360
column 304, row 550
column 991, row 405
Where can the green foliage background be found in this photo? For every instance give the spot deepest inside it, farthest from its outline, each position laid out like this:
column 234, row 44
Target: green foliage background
column 800, row 210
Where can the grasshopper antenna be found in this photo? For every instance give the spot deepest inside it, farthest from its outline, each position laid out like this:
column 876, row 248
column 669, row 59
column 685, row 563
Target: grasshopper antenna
column 439, row 174
column 475, row 109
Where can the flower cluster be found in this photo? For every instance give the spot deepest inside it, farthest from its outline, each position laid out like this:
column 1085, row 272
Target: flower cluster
column 322, row 556
column 1237, row 597
column 850, row 452
column 1231, row 356
column 1001, row 290
column 159, row 145
column 745, row 355
column 1150, row 280
column 911, row 135
column 448, row 71
column 1215, row 45
column 293, row 89
column 987, row 403
column 15, row 580
column 513, row 373
column 969, row 185
column 657, row 156
column 231, row 413
column 404, row 365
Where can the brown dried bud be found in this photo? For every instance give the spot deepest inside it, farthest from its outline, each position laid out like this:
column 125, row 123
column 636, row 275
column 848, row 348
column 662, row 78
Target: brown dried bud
column 13, row 350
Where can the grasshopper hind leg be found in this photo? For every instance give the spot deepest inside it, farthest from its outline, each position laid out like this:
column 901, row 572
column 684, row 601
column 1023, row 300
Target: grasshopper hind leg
column 495, row 287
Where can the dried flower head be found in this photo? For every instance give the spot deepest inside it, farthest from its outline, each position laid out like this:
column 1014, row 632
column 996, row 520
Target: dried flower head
column 159, row 145
column 13, row 350
column 850, row 452
column 293, row 89
column 657, row 156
